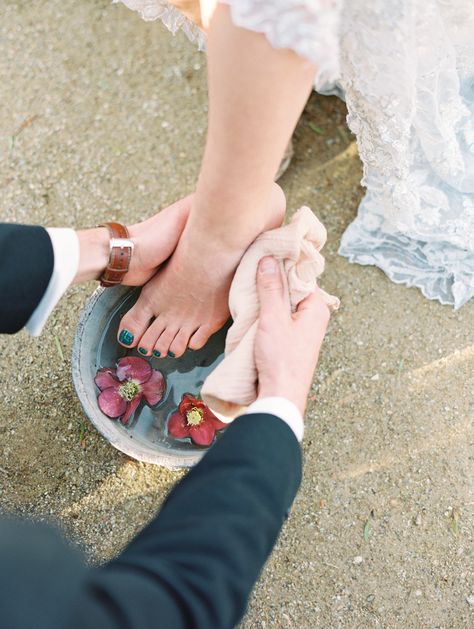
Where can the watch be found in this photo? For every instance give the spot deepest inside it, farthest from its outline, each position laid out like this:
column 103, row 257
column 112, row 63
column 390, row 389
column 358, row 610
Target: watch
column 121, row 249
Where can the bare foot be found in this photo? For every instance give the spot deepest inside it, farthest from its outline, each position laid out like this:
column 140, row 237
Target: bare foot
column 186, row 301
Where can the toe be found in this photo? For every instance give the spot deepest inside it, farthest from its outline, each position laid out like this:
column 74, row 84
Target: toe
column 149, row 338
column 164, row 341
column 180, row 342
column 200, row 337
column 133, row 325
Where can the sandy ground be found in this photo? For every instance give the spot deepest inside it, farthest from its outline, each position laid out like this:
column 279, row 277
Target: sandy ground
column 104, row 116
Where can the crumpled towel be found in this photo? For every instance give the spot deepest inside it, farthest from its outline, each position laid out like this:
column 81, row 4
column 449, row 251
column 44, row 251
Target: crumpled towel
column 233, row 384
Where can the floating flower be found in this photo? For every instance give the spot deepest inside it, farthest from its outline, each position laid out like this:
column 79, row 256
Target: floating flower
column 194, row 419
column 123, row 389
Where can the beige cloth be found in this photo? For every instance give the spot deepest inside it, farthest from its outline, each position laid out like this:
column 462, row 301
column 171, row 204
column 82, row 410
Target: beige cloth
column 233, row 384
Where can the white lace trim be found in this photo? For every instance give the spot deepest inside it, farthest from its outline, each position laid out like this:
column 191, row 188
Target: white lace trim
column 174, row 20
column 413, row 118
column 440, row 270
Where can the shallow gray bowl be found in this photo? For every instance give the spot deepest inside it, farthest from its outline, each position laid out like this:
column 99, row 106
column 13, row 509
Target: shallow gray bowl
column 95, row 346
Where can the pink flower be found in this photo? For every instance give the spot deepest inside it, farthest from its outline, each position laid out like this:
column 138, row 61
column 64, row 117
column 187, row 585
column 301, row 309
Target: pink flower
column 194, row 419
column 122, row 389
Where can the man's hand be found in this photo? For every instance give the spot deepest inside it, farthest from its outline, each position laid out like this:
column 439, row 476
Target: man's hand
column 287, row 345
column 154, row 241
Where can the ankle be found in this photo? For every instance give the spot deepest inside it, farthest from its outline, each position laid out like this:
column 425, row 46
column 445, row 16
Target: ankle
column 235, row 220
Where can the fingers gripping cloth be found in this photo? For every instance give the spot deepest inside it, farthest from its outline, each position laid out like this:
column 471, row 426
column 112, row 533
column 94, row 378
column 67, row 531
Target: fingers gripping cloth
column 233, row 385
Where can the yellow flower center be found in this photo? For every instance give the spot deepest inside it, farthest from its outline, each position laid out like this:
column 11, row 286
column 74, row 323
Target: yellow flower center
column 129, row 390
column 195, row 416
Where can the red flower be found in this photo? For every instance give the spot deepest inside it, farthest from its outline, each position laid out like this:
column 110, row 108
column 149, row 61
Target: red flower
column 194, row 419
column 122, row 389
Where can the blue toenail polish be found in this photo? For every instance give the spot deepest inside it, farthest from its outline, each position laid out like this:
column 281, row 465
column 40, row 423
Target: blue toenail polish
column 171, row 354
column 126, row 337
column 142, row 350
column 156, row 353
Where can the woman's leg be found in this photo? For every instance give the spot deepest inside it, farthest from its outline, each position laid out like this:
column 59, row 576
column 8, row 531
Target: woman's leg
column 256, row 95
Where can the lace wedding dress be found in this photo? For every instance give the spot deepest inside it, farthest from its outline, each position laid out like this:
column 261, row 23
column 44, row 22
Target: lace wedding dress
column 406, row 69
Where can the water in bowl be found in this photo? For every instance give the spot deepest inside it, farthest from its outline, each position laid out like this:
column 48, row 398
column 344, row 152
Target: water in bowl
column 183, row 375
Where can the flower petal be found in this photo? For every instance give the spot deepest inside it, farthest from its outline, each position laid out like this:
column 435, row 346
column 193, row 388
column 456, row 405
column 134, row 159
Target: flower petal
column 105, row 378
column 131, row 407
column 203, row 435
column 210, row 417
column 177, row 426
column 187, row 402
column 134, row 368
column 218, row 425
column 111, row 403
column 154, row 388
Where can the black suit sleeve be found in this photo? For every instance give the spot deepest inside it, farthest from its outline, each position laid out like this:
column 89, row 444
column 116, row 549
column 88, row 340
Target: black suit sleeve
column 194, row 566
column 26, row 266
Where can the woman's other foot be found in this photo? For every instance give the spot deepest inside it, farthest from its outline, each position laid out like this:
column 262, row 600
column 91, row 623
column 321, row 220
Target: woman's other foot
column 187, row 300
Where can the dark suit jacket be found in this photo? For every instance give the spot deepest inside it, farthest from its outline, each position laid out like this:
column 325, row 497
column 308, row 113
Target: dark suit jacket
column 194, row 565
column 26, row 265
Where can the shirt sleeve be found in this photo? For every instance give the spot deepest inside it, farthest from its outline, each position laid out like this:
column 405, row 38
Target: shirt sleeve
column 66, row 262
column 282, row 408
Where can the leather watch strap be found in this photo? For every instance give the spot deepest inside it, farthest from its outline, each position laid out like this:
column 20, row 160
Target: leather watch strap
column 121, row 249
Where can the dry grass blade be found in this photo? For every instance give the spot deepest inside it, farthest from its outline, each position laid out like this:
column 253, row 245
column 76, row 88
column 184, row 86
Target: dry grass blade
column 455, row 517
column 59, row 348
column 26, row 123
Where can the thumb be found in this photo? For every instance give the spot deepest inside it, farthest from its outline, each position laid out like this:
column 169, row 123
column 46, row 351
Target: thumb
column 269, row 285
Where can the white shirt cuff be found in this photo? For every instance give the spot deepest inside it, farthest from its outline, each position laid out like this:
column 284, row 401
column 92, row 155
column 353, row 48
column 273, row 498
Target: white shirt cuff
column 282, row 408
column 66, row 262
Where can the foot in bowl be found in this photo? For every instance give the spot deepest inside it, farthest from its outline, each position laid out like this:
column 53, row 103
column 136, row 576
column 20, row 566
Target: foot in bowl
column 186, row 301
